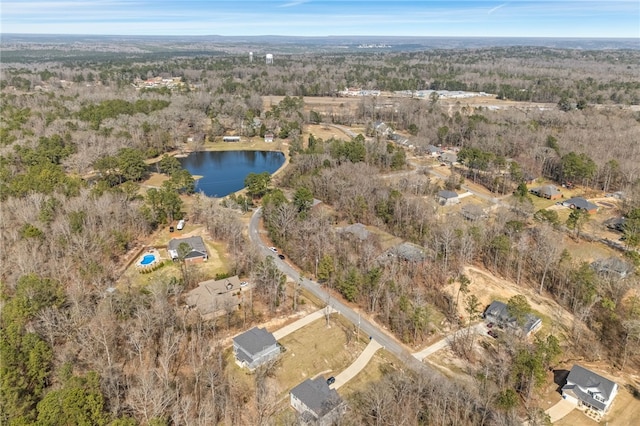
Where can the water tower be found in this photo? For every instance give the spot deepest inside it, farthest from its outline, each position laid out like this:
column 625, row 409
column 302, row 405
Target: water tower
column 250, row 56
column 269, row 58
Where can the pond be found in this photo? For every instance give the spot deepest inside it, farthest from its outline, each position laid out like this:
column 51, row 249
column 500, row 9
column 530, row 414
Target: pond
column 223, row 172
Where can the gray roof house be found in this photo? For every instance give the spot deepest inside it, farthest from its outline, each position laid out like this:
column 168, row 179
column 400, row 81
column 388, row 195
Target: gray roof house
column 550, row 192
column 447, row 198
column 473, row 212
column 498, row 313
column 616, row 223
column 612, row 267
column 358, row 230
column 316, row 402
column 255, row 347
column 433, row 150
column 198, row 250
column 448, row 157
column 586, row 388
column 405, row 251
column 580, row 203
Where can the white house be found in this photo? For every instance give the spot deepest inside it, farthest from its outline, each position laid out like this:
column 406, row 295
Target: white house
column 588, row 389
column 255, row 347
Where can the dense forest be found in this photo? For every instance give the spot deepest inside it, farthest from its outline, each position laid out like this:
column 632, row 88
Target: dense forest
column 79, row 136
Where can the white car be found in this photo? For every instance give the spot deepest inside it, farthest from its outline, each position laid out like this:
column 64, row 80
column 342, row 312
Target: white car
column 244, row 284
column 273, row 249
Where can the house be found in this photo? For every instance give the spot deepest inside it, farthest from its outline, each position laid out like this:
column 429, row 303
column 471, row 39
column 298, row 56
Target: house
column 550, row 192
column 498, row 313
column 406, row 251
column 448, row 157
column 612, row 267
column 580, row 203
column 588, row 389
column 255, row 347
column 473, row 212
column 433, row 150
column 197, row 251
column 358, row 230
column 268, row 137
column 615, row 224
column 231, row 139
column 316, row 402
column 447, row 198
column 213, row 298
column 382, row 129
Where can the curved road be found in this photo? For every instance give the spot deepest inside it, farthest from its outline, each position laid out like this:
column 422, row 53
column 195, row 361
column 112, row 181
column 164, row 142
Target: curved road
column 388, row 342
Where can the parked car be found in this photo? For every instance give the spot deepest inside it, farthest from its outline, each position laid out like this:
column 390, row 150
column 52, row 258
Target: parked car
column 331, row 380
column 273, row 249
column 244, row 284
column 171, row 229
column 180, row 226
column 281, row 256
column 492, row 334
column 489, row 325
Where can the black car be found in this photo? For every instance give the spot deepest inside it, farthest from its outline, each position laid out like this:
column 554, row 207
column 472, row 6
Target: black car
column 331, row 380
column 281, row 256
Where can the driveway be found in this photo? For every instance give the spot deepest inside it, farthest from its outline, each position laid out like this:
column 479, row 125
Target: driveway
column 480, row 328
column 561, row 409
column 296, row 325
column 351, row 371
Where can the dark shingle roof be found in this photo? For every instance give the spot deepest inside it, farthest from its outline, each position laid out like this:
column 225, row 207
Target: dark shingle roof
column 316, row 394
column 447, row 194
column 255, row 340
column 612, row 265
column 580, row 203
column 196, row 243
column 358, row 230
column 500, row 312
column 585, row 380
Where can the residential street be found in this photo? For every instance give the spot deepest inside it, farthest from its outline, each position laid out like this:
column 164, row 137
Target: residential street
column 387, row 341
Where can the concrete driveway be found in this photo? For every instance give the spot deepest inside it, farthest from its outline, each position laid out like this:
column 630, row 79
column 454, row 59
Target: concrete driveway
column 480, row 328
column 351, row 371
column 561, row 409
column 296, row 325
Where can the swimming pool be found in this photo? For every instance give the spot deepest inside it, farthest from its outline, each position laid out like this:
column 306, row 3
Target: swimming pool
column 148, row 259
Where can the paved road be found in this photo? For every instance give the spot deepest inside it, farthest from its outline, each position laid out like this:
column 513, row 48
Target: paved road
column 351, row 371
column 443, row 343
column 387, row 341
column 296, row 325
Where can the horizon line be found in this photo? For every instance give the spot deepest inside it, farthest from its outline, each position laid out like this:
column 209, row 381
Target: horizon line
column 318, row 36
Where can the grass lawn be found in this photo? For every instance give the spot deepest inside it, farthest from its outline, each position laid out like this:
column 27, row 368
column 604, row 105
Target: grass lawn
column 315, row 350
column 381, row 362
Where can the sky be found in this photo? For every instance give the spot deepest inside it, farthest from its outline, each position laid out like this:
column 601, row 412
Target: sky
column 476, row 18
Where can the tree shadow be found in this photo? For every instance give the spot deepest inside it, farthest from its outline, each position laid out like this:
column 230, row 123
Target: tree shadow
column 634, row 391
column 560, row 379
